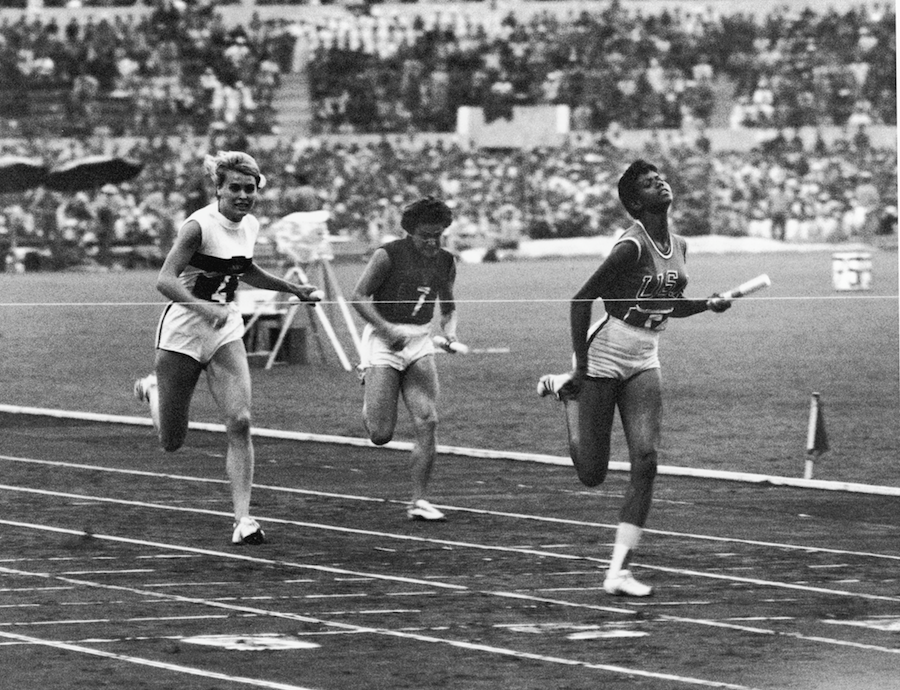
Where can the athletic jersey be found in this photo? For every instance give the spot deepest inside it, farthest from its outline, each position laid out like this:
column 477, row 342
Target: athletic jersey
column 655, row 275
column 408, row 293
column 226, row 252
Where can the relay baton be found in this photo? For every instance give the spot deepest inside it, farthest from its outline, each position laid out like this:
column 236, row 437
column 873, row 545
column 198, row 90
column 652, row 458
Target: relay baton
column 453, row 346
column 747, row 288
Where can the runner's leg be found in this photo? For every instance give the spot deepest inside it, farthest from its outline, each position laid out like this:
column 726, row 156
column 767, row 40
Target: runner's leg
column 228, row 375
column 419, row 387
column 177, row 376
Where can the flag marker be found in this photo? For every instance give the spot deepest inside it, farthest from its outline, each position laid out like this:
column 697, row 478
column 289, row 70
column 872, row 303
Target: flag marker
column 816, row 438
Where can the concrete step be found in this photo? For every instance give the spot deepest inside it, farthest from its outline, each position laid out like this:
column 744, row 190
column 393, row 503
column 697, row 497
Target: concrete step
column 723, row 90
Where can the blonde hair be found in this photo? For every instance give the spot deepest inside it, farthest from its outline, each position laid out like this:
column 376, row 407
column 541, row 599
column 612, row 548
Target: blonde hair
column 217, row 166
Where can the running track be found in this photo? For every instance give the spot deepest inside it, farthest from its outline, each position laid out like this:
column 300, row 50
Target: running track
column 117, row 570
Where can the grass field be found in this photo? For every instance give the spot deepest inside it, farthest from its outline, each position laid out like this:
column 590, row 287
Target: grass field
column 737, row 385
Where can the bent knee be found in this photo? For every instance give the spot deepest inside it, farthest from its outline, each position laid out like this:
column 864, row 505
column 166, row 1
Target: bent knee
column 646, row 469
column 239, row 424
column 380, row 438
column 379, row 432
column 427, row 422
column 588, row 474
column 171, row 444
column 592, row 477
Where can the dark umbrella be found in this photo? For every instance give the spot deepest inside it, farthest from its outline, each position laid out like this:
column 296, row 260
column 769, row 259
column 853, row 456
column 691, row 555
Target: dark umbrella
column 18, row 174
column 91, row 172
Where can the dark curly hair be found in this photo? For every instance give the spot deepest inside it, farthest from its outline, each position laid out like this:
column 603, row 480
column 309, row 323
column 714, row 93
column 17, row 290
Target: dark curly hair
column 426, row 210
column 628, row 190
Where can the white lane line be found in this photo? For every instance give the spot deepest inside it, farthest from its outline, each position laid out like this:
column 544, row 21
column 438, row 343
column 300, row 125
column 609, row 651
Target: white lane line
column 109, row 572
column 784, row 633
column 461, row 589
column 557, row 602
column 770, row 583
column 178, row 638
column 204, row 583
column 460, row 509
column 106, row 621
column 19, row 606
column 477, row 453
column 255, row 682
column 459, row 644
column 443, row 542
column 223, row 554
column 32, row 589
column 431, row 583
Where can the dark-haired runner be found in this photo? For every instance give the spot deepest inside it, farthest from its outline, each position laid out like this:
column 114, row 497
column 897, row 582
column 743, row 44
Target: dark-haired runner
column 616, row 360
column 396, row 295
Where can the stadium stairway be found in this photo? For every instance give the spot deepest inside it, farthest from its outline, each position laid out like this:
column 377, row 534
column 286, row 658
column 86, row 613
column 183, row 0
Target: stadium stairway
column 293, row 105
column 723, row 97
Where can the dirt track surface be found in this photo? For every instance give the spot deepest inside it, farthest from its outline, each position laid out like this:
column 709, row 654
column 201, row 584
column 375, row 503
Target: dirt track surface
column 116, row 557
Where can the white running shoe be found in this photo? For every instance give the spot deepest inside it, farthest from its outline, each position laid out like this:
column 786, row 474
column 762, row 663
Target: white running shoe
column 624, row 584
column 248, row 531
column 554, row 384
column 423, row 510
column 142, row 387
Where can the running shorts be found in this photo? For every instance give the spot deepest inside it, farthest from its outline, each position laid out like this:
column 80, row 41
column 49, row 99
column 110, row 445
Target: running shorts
column 183, row 330
column 619, row 351
column 376, row 352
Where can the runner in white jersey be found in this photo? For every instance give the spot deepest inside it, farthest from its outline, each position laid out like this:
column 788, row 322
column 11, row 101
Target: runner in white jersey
column 202, row 328
column 642, row 284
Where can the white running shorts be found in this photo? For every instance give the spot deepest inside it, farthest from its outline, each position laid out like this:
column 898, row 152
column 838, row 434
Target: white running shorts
column 619, row 351
column 183, row 330
column 376, row 352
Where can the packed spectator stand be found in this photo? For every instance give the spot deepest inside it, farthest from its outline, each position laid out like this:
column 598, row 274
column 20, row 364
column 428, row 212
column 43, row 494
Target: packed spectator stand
column 616, row 64
column 169, row 83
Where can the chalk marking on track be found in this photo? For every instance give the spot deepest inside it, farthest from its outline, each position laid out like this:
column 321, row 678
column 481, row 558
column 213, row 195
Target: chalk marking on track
column 173, row 638
column 884, row 623
column 407, row 537
column 153, row 664
column 461, row 509
column 204, row 583
column 110, row 572
column 430, row 583
column 178, row 638
column 33, row 589
column 479, row 453
column 770, row 583
column 95, row 621
column 781, row 633
column 459, row 644
column 235, row 556
column 829, row 565
column 19, row 606
column 556, row 602
column 434, row 584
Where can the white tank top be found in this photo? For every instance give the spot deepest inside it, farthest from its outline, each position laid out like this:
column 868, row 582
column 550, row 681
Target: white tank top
column 226, row 252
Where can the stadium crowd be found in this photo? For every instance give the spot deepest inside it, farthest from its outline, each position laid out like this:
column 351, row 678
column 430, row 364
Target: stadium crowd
column 640, row 70
column 384, row 72
column 180, row 66
column 187, row 73
column 824, row 192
